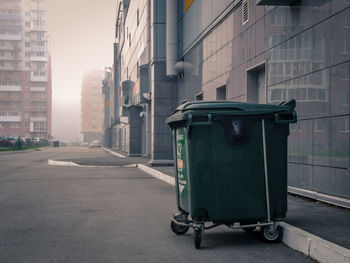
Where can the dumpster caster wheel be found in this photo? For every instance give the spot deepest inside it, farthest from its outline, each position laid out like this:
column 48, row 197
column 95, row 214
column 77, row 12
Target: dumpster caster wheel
column 271, row 236
column 249, row 229
column 198, row 237
column 178, row 229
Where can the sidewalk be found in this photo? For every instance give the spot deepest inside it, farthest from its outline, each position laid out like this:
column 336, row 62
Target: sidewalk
column 318, row 230
column 323, row 220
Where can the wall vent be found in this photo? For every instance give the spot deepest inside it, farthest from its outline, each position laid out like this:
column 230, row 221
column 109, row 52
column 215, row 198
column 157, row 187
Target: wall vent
column 245, row 11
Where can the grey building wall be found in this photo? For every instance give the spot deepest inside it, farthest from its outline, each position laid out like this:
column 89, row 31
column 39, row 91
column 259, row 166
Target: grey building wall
column 303, row 52
column 150, row 96
column 164, row 101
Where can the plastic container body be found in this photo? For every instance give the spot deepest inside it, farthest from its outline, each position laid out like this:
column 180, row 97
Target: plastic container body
column 224, row 173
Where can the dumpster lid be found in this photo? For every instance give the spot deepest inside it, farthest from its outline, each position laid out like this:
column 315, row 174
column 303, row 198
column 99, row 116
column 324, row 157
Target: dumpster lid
column 234, row 105
column 229, row 108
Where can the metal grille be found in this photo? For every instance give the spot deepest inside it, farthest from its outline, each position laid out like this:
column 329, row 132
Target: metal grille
column 245, row 11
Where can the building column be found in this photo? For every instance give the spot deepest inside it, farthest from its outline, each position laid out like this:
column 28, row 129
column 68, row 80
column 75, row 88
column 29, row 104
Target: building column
column 164, row 102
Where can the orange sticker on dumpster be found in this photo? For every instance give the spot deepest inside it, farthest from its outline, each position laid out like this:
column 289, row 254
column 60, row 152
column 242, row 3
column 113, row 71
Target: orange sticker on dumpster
column 180, row 164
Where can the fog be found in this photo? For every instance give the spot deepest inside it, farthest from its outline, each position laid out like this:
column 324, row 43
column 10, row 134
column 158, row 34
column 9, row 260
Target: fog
column 81, row 38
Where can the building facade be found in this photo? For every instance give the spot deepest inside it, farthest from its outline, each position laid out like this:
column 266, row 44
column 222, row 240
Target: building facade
column 25, row 70
column 143, row 96
column 92, row 105
column 259, row 51
column 274, row 51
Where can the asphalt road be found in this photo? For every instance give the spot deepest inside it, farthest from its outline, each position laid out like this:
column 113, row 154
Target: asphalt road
column 78, row 214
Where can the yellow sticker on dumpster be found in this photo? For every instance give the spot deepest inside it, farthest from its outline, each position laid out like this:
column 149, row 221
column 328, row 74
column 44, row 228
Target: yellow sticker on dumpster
column 180, row 164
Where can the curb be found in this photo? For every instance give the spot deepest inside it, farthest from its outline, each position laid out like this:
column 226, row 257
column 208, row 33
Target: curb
column 114, row 153
column 63, row 163
column 333, row 200
column 313, row 246
column 161, row 176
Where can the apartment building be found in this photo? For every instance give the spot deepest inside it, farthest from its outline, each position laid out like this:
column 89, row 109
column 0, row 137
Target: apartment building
column 25, row 70
column 92, row 105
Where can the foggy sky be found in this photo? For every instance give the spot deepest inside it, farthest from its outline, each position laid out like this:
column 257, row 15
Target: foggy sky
column 81, row 38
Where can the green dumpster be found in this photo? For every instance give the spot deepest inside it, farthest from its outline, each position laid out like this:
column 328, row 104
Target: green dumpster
column 56, row 143
column 231, row 166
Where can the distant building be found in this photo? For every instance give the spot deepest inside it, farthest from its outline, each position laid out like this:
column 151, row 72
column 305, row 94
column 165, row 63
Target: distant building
column 91, row 105
column 25, row 70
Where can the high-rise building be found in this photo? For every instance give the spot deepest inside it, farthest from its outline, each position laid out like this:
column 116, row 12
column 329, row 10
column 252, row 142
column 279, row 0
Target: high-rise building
column 25, row 70
column 91, row 105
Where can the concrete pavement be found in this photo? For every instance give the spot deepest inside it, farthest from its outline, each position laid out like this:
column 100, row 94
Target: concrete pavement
column 80, row 214
column 316, row 229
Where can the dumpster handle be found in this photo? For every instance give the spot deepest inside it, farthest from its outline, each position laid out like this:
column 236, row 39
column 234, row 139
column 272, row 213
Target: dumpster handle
column 199, row 123
column 292, row 120
column 266, row 174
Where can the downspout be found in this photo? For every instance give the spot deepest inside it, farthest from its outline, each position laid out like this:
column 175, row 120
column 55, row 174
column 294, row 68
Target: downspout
column 171, row 37
column 149, row 31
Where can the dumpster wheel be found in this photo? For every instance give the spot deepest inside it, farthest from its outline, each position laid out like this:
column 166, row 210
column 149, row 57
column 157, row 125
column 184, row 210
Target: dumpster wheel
column 178, row 229
column 198, row 232
column 271, row 235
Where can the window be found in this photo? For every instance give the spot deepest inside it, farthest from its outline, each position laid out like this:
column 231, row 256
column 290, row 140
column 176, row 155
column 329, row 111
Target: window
column 14, row 125
column 199, row 96
column 138, row 16
column 27, row 44
column 342, row 124
column 27, row 24
column 345, row 46
column 39, row 126
column 319, row 125
column 221, row 93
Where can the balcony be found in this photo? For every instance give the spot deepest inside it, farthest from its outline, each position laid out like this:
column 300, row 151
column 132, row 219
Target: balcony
column 37, row 28
column 39, row 48
column 37, row 109
column 38, row 89
column 11, row 27
column 32, row 119
column 10, row 37
column 10, row 67
column 38, row 78
column 35, row 99
column 41, row 58
column 8, row 98
column 10, row 88
column 10, row 118
column 11, row 17
column 8, row 57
